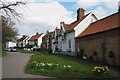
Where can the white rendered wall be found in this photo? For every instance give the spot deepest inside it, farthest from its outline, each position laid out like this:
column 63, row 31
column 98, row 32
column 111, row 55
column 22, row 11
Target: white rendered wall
column 10, row 44
column 40, row 40
column 65, row 43
column 84, row 24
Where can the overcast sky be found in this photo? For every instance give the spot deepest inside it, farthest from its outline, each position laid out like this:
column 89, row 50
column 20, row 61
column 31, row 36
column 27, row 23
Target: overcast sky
column 42, row 15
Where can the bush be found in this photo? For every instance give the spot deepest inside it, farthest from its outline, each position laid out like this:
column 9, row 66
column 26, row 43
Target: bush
column 50, row 50
column 111, row 54
column 43, row 50
column 81, row 52
column 94, row 53
column 28, row 46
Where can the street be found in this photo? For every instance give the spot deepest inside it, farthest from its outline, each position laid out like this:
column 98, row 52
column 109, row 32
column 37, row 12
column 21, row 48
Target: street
column 13, row 66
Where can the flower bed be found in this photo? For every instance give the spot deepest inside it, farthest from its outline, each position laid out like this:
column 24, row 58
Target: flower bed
column 60, row 66
column 100, row 69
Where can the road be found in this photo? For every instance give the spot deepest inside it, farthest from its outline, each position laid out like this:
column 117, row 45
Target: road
column 13, row 66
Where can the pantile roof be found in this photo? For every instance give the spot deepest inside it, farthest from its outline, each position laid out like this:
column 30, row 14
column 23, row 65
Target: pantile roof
column 70, row 27
column 107, row 23
column 35, row 37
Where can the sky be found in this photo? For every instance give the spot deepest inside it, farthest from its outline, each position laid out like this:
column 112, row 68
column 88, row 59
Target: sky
column 42, row 15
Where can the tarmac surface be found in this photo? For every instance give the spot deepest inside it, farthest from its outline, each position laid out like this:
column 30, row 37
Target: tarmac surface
column 13, row 66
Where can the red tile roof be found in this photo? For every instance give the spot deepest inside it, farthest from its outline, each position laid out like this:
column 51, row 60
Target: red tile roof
column 107, row 23
column 35, row 37
column 70, row 27
column 49, row 33
column 22, row 38
column 27, row 38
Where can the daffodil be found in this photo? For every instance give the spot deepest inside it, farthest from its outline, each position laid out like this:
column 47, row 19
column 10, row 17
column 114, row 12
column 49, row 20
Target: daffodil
column 64, row 66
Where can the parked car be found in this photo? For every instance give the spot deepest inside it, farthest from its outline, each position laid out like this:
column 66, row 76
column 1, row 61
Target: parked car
column 11, row 49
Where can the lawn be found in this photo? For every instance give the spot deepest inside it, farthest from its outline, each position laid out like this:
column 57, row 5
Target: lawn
column 61, row 67
column 25, row 51
column 2, row 51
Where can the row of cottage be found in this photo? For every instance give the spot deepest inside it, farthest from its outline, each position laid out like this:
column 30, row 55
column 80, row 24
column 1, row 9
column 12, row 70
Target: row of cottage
column 87, row 36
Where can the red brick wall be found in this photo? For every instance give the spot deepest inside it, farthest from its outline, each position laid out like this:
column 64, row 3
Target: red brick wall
column 44, row 42
column 93, row 43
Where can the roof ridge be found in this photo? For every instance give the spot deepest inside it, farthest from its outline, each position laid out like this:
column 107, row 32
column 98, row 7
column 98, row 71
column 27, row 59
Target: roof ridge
column 101, row 25
column 105, row 17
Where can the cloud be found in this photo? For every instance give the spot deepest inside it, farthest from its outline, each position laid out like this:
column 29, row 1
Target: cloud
column 100, row 12
column 87, row 3
column 42, row 16
column 112, row 5
column 101, row 8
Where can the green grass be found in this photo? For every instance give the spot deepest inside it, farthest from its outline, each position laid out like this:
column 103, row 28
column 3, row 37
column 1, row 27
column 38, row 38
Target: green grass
column 2, row 51
column 79, row 68
column 25, row 51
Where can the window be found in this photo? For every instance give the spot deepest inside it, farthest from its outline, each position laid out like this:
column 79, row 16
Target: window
column 91, row 20
column 69, row 42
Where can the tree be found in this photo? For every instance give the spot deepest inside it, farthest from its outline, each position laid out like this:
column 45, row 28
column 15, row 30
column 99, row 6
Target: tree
column 9, row 8
column 9, row 33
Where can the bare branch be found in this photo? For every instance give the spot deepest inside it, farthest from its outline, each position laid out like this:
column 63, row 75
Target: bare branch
column 12, row 5
column 9, row 8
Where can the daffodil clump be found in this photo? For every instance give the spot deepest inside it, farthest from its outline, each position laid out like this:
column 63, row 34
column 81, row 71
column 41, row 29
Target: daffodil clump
column 67, row 67
column 100, row 69
column 41, row 65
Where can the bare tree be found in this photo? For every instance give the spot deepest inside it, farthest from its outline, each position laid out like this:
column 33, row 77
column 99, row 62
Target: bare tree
column 9, row 8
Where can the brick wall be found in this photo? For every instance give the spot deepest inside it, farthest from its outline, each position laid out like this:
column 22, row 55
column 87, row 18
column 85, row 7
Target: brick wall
column 94, row 43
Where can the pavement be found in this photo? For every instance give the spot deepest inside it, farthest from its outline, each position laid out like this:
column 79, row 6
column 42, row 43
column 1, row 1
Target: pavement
column 13, row 66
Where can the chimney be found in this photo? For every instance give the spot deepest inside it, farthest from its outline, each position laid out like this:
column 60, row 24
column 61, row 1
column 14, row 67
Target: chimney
column 37, row 33
column 119, row 6
column 24, row 36
column 80, row 13
column 62, row 22
column 47, row 31
column 56, row 28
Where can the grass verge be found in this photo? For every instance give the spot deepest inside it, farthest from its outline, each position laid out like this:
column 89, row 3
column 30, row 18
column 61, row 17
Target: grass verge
column 25, row 51
column 61, row 67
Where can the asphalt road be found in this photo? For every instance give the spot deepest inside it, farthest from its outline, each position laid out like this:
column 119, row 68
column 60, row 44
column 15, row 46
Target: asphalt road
column 13, row 66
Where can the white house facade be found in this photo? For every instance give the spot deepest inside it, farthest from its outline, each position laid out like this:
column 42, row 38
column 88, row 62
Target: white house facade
column 36, row 40
column 10, row 44
column 55, row 40
column 22, row 42
column 68, row 32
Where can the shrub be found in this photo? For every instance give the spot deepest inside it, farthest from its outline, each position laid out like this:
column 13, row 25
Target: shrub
column 42, row 50
column 50, row 50
column 91, row 58
column 28, row 46
column 81, row 52
column 111, row 54
column 95, row 53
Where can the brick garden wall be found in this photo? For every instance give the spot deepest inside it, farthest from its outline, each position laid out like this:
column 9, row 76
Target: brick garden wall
column 94, row 43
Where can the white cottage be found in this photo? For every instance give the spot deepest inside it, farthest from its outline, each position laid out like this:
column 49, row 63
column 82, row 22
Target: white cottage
column 10, row 44
column 22, row 42
column 36, row 40
column 69, row 31
column 55, row 40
